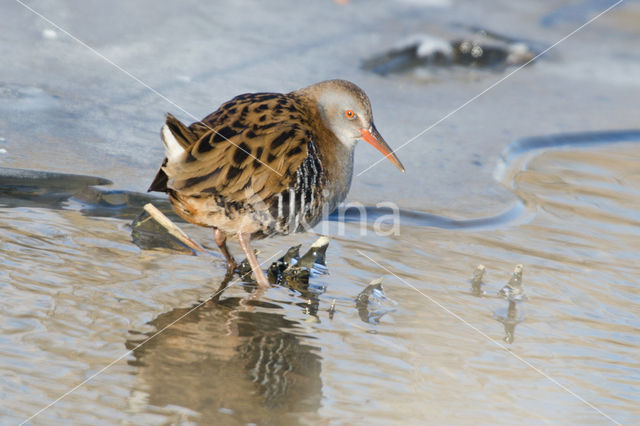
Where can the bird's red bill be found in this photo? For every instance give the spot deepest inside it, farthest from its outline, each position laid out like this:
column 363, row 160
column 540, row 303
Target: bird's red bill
column 379, row 144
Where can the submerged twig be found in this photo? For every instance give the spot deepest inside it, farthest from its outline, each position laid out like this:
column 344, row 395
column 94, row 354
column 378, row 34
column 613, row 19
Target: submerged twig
column 173, row 229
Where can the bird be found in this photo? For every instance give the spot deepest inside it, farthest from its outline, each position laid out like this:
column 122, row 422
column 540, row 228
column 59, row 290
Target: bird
column 267, row 164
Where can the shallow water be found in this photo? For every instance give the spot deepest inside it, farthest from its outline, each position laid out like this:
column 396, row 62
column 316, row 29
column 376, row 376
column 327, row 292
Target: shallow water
column 78, row 294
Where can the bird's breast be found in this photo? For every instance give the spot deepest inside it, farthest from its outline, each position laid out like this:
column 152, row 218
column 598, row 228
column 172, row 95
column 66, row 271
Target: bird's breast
column 321, row 183
column 301, row 205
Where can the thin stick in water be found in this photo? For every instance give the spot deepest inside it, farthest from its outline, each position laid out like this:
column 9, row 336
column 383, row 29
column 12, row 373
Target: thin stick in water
column 173, row 229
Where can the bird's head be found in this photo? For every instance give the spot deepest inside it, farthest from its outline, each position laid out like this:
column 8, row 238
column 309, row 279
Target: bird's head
column 346, row 110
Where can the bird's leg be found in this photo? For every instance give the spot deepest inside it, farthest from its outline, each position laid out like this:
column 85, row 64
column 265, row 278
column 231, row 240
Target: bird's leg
column 221, row 241
column 258, row 273
column 223, row 285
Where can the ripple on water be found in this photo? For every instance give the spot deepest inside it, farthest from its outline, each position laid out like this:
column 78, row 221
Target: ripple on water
column 77, row 293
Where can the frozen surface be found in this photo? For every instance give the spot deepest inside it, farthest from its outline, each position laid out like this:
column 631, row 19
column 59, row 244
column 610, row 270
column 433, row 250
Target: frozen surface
column 67, row 109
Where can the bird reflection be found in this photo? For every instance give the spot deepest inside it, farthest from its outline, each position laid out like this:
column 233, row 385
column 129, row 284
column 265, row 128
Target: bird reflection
column 231, row 357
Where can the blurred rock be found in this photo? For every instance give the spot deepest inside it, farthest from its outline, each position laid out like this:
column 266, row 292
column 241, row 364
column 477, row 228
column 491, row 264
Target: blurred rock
column 479, row 49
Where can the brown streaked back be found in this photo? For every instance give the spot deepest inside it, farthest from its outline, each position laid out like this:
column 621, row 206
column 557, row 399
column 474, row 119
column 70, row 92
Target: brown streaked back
column 252, row 144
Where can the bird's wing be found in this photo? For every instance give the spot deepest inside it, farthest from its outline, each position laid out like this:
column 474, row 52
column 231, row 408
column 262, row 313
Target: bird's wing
column 252, row 145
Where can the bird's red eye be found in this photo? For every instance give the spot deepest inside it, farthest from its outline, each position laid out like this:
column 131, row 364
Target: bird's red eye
column 349, row 114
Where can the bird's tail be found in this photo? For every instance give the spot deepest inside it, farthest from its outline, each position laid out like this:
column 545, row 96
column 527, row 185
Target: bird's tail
column 176, row 138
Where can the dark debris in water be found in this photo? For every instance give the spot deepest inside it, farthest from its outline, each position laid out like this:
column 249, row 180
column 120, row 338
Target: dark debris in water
column 513, row 292
column 332, row 309
column 477, row 281
column 294, row 271
column 475, row 49
column 372, row 304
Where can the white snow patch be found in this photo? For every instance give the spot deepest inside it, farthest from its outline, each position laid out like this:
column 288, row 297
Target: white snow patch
column 49, row 34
